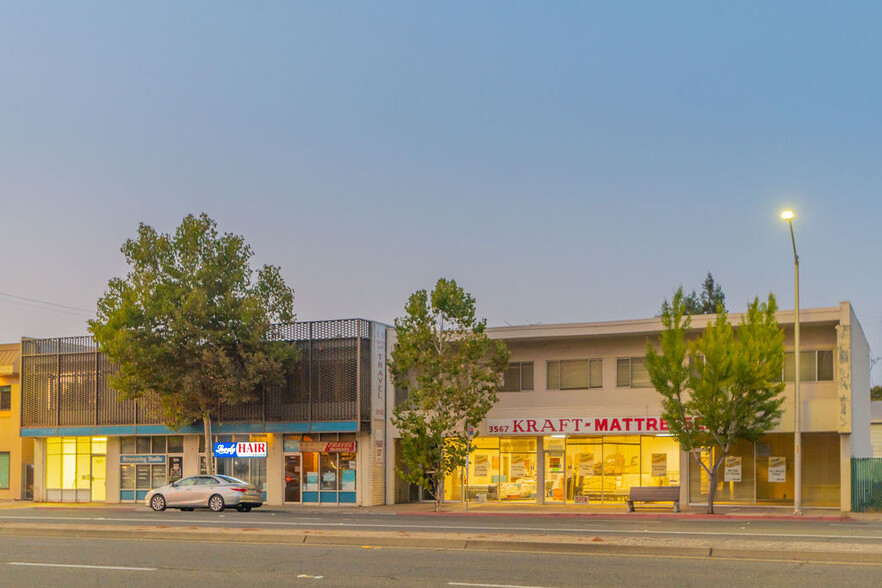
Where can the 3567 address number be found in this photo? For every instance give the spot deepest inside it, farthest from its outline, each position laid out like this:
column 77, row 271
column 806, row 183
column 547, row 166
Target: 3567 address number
column 498, row 429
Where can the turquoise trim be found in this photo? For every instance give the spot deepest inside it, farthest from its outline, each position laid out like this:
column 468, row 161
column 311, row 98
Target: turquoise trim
column 115, row 430
column 287, row 427
column 348, row 498
column 44, row 432
column 335, row 427
column 310, row 497
column 225, row 428
column 76, row 431
column 141, row 495
column 328, row 497
column 127, row 495
column 163, row 430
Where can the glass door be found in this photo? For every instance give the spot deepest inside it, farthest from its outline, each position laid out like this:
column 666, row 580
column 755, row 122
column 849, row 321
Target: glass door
column 292, row 478
column 555, row 469
column 99, row 478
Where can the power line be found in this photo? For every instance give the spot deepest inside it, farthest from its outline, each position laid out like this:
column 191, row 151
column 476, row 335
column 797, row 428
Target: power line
column 34, row 304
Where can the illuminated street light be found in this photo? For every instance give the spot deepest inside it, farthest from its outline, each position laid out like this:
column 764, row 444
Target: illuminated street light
column 797, row 408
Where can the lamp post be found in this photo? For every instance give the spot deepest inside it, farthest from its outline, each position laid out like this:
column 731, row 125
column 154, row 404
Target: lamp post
column 797, row 408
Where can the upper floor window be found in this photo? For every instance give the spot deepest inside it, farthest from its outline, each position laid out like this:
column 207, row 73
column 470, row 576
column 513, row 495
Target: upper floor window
column 574, row 374
column 631, row 372
column 814, row 366
column 5, row 397
column 518, row 376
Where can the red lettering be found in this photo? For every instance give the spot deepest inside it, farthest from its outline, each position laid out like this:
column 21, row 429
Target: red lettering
column 651, row 425
column 662, row 425
column 627, row 424
column 548, row 425
column 601, row 425
column 518, row 426
column 615, row 425
column 531, row 426
column 563, row 425
column 578, row 424
column 639, row 423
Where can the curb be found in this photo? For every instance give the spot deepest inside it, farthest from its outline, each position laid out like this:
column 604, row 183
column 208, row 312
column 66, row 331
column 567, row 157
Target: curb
column 438, row 541
column 637, row 515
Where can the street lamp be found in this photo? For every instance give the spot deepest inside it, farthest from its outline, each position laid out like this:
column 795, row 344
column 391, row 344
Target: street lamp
column 797, row 429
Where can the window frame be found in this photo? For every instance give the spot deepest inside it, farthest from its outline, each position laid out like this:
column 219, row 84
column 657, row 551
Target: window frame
column 816, row 352
column 8, row 470
column 520, row 387
column 630, row 383
column 5, row 394
column 590, row 361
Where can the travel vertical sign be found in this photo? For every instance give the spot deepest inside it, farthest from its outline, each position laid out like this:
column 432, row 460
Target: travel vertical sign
column 378, row 391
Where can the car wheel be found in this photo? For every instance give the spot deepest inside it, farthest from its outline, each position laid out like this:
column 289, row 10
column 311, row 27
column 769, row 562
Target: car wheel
column 186, row 508
column 244, row 508
column 216, row 503
column 157, row 503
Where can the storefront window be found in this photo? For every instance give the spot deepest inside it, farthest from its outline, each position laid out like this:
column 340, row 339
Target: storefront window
column 774, row 469
column 584, row 468
column 310, row 472
column 75, row 469
column 660, row 461
column 820, row 474
column 347, row 472
column 247, row 469
column 518, row 469
column 328, row 471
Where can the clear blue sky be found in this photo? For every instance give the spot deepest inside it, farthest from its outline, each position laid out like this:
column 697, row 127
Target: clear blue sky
column 562, row 161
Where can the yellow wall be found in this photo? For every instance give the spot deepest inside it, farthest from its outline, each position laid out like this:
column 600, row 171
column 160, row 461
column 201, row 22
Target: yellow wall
column 20, row 451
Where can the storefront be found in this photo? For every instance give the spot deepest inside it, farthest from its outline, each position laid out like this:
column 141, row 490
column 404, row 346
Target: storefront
column 567, row 466
column 320, row 469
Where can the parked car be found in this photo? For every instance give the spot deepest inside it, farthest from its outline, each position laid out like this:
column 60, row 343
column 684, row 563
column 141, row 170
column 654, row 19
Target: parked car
column 215, row 492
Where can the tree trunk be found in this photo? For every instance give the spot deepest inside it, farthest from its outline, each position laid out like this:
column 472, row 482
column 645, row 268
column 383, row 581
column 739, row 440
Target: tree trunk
column 439, row 492
column 209, row 446
column 712, row 475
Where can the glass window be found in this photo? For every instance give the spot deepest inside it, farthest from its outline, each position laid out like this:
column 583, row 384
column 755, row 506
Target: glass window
column 127, row 445
column 99, row 445
column 158, row 445
column 623, row 372
column 4, row 470
column 639, row 373
column 143, row 444
column 142, row 477
column 157, row 478
column 310, row 472
column 573, row 374
column 329, row 471
column 176, row 444
column 6, row 398
column 518, row 377
column 191, row 481
column 552, row 378
column 127, row 477
column 596, row 373
column 825, row 365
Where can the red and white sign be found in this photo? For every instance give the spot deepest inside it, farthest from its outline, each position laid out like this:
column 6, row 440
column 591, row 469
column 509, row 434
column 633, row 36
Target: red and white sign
column 327, row 446
column 578, row 426
column 251, row 449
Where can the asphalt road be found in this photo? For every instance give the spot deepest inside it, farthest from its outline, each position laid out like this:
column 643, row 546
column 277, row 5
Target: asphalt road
column 806, row 530
column 35, row 561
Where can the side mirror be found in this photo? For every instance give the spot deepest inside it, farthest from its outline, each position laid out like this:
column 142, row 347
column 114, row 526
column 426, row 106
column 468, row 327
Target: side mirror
column 174, row 484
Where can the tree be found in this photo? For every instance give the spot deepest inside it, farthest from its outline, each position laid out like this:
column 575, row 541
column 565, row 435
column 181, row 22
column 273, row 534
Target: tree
column 708, row 301
column 189, row 324
column 876, row 393
column 722, row 386
column 450, row 370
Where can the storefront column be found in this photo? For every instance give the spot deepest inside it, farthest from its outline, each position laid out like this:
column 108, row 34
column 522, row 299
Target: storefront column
column 111, row 484
column 275, row 469
column 540, row 470
column 685, row 464
column 191, row 456
column 845, row 472
column 39, row 470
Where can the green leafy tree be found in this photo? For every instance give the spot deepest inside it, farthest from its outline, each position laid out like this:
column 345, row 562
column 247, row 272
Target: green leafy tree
column 721, row 386
column 189, row 324
column 708, row 301
column 450, row 370
column 876, row 393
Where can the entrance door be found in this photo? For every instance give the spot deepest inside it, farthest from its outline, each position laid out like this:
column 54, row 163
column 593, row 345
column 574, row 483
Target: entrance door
column 99, row 478
column 292, row 478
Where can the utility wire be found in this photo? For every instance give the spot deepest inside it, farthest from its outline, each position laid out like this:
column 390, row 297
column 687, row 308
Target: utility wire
column 42, row 304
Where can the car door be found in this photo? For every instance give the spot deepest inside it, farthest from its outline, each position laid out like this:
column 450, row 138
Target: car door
column 181, row 493
column 202, row 491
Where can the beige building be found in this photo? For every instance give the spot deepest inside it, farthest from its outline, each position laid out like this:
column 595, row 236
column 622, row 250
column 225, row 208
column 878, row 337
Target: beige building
column 16, row 454
column 578, row 421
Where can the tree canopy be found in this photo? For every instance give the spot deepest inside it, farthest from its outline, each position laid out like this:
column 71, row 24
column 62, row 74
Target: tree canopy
column 722, row 386
column 189, row 323
column 708, row 300
column 450, row 370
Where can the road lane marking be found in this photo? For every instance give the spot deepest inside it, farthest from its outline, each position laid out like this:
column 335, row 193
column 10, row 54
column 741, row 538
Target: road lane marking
column 555, row 530
column 52, row 565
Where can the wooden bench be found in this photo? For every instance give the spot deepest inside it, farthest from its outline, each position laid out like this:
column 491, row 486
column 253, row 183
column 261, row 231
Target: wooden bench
column 654, row 494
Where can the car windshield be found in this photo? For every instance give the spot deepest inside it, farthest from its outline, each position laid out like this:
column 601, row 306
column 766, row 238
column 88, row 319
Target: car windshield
column 232, row 480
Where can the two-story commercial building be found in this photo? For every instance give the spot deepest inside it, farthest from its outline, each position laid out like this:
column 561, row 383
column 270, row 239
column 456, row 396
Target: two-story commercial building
column 319, row 438
column 16, row 454
column 577, row 421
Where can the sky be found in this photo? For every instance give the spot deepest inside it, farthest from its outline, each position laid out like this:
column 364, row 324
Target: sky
column 563, row 162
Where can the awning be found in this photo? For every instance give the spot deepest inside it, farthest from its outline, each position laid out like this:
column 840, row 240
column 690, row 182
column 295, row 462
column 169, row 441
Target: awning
column 10, row 361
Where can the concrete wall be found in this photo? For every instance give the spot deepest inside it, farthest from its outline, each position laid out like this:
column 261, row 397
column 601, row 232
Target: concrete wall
column 861, row 445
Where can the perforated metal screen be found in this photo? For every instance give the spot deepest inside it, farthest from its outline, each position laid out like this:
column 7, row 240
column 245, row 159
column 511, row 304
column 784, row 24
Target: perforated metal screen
column 64, row 381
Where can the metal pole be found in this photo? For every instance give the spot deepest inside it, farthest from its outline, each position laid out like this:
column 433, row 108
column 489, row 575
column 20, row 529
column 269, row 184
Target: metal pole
column 797, row 417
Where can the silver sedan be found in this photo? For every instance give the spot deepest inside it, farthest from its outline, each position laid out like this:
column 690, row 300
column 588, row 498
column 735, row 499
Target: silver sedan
column 214, row 492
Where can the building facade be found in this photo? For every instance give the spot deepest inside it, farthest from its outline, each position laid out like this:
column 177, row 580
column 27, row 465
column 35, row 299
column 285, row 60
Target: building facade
column 577, row 421
column 316, row 439
column 16, row 454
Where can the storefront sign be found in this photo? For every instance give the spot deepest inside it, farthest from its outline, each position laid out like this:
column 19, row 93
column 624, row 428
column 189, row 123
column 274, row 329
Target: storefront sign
column 732, row 469
column 378, row 371
column 660, row 464
column 580, row 500
column 241, row 449
column 142, row 459
column 578, row 426
column 518, row 468
column 319, row 446
column 482, row 465
column 777, row 469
